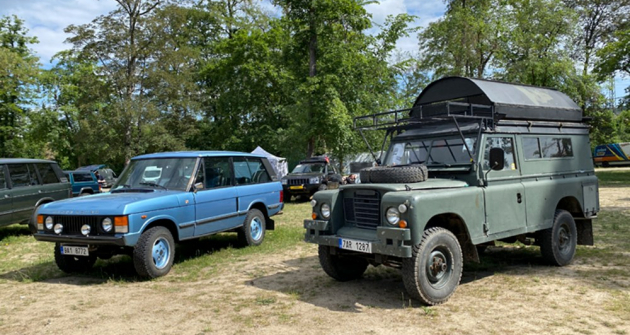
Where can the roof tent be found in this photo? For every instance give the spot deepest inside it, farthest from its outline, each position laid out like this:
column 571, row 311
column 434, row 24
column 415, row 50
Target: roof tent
column 478, row 97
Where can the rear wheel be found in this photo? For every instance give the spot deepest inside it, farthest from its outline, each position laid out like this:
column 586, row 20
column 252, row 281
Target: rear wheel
column 434, row 270
column 154, row 254
column 341, row 268
column 253, row 230
column 72, row 264
column 559, row 242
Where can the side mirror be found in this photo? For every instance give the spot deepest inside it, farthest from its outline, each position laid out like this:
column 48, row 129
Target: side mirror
column 197, row 187
column 497, row 159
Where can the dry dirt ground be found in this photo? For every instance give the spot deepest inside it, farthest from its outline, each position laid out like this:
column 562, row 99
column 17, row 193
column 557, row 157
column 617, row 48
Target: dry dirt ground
column 288, row 293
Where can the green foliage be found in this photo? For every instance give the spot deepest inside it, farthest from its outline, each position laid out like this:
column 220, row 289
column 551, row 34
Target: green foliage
column 615, row 57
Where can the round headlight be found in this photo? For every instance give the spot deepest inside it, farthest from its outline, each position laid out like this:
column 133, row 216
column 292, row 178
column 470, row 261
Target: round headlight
column 58, row 228
column 313, row 203
column 49, row 222
column 402, row 208
column 107, row 224
column 85, row 229
column 325, row 211
column 393, row 215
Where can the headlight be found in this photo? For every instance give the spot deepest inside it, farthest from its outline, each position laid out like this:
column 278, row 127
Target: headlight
column 49, row 222
column 107, row 225
column 313, row 203
column 325, row 210
column 314, row 180
column 58, row 228
column 284, row 181
column 85, row 229
column 393, row 215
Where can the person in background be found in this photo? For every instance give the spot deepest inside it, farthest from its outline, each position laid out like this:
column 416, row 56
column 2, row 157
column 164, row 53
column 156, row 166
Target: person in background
column 351, row 179
column 100, row 178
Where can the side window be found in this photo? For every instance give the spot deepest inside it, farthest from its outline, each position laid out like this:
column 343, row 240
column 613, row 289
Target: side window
column 242, row 174
column 19, row 175
column 47, row 173
column 217, row 172
column 33, row 174
column 553, row 147
column 82, row 177
column 531, row 148
column 504, row 143
column 3, row 180
column 257, row 168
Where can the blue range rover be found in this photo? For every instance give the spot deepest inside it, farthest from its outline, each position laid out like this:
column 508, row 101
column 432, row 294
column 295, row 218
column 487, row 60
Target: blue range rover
column 160, row 199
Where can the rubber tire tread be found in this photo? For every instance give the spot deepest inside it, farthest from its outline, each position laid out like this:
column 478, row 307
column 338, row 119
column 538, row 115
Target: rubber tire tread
column 410, row 268
column 244, row 233
column 549, row 247
column 73, row 264
column 396, row 174
column 341, row 268
column 142, row 253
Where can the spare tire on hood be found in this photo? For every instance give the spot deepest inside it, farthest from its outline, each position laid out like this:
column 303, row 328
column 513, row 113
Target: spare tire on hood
column 395, row 174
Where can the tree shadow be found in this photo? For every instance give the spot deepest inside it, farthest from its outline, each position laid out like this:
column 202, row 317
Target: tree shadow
column 14, row 230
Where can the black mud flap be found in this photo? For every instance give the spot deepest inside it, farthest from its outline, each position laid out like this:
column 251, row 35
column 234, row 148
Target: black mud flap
column 584, row 231
column 271, row 224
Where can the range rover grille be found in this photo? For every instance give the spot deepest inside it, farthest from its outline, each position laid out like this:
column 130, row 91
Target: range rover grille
column 72, row 224
column 363, row 209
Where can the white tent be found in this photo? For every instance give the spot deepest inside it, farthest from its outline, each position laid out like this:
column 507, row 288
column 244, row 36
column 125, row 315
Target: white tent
column 279, row 164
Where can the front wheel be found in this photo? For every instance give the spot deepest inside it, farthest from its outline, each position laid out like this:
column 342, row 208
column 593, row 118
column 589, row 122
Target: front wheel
column 253, row 230
column 339, row 267
column 72, row 264
column 434, row 270
column 154, row 254
column 558, row 243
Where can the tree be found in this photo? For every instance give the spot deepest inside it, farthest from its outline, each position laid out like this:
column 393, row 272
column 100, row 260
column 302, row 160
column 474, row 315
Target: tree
column 18, row 76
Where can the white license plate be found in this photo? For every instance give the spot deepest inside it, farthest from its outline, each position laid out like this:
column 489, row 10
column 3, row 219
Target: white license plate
column 74, row 251
column 360, row 246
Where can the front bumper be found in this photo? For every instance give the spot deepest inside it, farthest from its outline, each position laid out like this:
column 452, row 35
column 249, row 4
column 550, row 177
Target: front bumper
column 389, row 241
column 300, row 189
column 91, row 240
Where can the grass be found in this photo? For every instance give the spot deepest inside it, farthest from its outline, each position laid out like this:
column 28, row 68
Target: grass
column 613, row 177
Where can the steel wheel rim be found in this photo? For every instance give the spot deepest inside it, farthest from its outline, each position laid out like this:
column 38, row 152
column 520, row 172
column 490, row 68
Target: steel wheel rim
column 161, row 252
column 255, row 228
column 564, row 238
column 438, row 268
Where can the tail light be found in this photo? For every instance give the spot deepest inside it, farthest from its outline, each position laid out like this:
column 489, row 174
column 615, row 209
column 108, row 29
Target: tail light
column 282, row 196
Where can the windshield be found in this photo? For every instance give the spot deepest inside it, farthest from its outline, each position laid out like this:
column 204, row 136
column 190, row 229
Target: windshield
column 307, row 168
column 163, row 173
column 431, row 152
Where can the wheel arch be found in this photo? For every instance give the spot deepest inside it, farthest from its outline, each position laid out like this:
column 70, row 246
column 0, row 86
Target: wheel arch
column 166, row 223
column 259, row 205
column 583, row 225
column 572, row 205
column 456, row 225
column 43, row 201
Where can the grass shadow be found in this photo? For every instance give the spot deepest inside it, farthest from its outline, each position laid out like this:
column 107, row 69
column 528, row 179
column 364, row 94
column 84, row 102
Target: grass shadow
column 14, row 230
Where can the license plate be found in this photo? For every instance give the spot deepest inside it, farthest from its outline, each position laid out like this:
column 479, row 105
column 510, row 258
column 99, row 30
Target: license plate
column 355, row 245
column 296, row 187
column 74, row 251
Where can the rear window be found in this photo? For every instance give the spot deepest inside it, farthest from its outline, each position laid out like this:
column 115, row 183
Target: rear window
column 547, row 147
column 47, row 173
column 3, row 181
column 81, row 177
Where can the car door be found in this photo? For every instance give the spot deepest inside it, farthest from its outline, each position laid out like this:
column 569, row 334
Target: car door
column 215, row 202
column 25, row 189
column 504, row 194
column 6, row 207
column 252, row 183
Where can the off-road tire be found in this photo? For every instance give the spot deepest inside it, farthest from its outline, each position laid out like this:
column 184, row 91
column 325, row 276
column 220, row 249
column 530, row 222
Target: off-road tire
column 558, row 243
column 253, row 230
column 73, row 264
column 154, row 253
column 341, row 268
column 395, row 174
column 431, row 288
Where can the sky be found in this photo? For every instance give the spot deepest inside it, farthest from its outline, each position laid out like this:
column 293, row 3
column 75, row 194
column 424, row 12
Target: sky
column 46, row 19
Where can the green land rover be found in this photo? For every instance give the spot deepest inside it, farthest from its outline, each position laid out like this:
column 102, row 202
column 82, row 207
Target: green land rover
column 473, row 162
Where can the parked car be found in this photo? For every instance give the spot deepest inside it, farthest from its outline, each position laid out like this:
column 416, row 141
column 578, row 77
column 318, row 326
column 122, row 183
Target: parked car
column 311, row 175
column 197, row 194
column 83, row 183
column 108, row 174
column 26, row 184
column 473, row 162
column 613, row 154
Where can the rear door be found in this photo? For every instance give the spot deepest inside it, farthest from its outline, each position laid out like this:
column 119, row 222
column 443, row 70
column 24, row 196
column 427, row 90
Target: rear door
column 25, row 188
column 215, row 203
column 6, row 210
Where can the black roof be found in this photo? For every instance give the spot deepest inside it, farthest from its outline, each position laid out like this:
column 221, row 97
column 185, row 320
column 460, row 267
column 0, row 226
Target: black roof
column 315, row 159
column 512, row 101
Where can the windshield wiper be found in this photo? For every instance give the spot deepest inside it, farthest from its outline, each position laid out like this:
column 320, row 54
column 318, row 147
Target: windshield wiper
column 153, row 184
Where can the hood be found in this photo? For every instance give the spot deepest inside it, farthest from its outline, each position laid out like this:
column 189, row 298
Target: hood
column 304, row 175
column 114, row 203
column 434, row 183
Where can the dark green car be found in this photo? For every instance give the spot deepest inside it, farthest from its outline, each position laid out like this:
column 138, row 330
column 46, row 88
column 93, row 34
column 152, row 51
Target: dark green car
column 26, row 184
column 473, row 162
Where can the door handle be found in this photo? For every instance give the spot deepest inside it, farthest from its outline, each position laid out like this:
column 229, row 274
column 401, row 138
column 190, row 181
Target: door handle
column 519, row 198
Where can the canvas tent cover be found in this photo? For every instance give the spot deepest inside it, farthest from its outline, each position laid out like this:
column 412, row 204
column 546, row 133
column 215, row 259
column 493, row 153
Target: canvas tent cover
column 279, row 164
column 514, row 101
